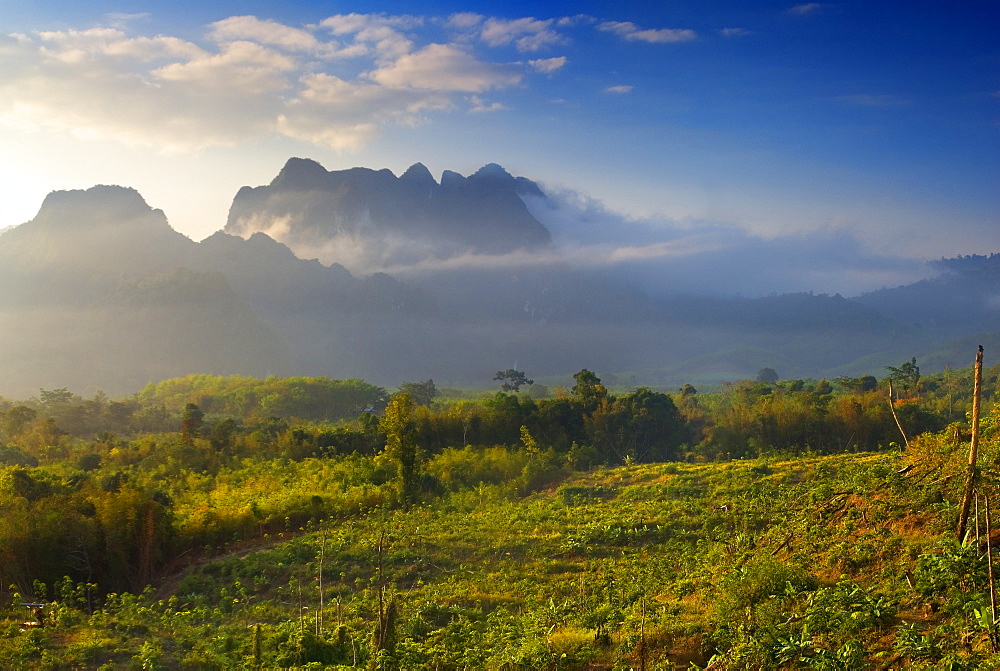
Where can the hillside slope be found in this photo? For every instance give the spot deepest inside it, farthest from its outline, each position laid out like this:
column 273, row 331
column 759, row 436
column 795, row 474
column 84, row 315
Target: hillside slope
column 833, row 562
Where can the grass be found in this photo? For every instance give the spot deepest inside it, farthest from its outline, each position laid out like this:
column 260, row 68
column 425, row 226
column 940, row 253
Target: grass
column 766, row 563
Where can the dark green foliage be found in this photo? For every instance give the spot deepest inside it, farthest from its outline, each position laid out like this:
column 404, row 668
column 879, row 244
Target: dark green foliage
column 421, row 393
column 767, row 375
column 401, row 447
column 643, row 426
column 906, row 377
column 588, row 389
column 12, row 456
column 512, row 380
column 191, row 422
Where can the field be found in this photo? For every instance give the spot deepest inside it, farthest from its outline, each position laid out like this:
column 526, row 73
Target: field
column 273, row 545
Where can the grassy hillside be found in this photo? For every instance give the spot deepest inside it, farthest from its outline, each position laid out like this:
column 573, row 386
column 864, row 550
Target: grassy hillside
column 218, row 523
column 827, row 562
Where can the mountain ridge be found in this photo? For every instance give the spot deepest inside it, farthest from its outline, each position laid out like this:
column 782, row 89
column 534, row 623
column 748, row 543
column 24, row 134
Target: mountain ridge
column 315, row 211
column 102, row 291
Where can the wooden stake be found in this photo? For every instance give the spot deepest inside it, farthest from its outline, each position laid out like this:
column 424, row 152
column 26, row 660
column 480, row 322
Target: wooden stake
column 977, row 521
column 970, row 484
column 993, row 593
column 642, row 635
column 382, row 614
column 319, row 616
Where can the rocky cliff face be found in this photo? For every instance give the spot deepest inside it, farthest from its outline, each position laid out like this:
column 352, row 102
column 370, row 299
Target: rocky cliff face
column 369, row 219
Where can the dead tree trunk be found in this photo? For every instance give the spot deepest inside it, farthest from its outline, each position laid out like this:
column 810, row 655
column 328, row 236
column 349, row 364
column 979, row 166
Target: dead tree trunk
column 970, row 484
column 892, row 409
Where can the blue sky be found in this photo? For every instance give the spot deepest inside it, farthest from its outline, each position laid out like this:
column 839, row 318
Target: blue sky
column 868, row 126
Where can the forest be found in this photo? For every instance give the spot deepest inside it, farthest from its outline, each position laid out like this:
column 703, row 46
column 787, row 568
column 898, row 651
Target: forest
column 217, row 522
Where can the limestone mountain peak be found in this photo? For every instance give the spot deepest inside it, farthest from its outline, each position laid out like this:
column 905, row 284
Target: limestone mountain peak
column 369, row 219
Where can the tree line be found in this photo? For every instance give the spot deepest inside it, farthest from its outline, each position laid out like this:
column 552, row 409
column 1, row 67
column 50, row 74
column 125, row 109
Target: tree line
column 109, row 490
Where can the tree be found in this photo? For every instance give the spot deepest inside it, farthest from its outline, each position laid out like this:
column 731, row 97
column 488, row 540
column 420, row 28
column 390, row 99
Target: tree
column 191, row 422
column 421, row 393
column 906, row 377
column 643, row 426
column 401, row 445
column 858, row 384
column 54, row 397
column 16, row 421
column 588, row 389
column 221, row 435
column 512, row 379
column 768, row 375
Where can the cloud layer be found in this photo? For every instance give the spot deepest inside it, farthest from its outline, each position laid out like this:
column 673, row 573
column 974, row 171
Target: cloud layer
column 335, row 83
column 705, row 257
column 661, row 257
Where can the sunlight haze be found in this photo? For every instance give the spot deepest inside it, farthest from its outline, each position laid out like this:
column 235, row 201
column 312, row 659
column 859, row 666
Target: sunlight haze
column 873, row 120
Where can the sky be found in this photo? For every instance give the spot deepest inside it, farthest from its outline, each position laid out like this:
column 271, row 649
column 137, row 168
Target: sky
column 833, row 144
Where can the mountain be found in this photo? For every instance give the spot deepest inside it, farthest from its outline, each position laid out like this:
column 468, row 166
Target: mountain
column 370, row 218
column 101, row 293
column 95, row 296
column 963, row 299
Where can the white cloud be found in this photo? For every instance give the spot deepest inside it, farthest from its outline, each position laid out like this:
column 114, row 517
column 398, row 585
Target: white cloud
column 805, row 8
column 99, row 45
column 464, row 21
column 874, row 100
column 380, row 31
column 122, row 19
column 250, row 78
column 347, row 115
column 270, row 33
column 161, row 91
column 624, row 88
column 243, row 67
column 663, row 257
column 254, row 78
column 668, row 256
column 479, row 105
column 445, row 67
column 528, row 34
column 579, row 19
column 734, row 32
column 629, row 31
column 547, row 65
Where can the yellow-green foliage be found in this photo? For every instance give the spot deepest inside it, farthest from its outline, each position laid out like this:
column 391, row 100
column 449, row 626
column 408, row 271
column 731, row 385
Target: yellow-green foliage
column 271, row 543
column 760, row 563
column 312, row 398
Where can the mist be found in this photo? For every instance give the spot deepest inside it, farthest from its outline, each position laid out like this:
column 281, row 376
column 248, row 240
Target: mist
column 658, row 257
column 102, row 294
column 666, row 257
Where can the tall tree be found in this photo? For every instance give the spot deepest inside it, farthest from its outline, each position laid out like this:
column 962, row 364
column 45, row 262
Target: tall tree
column 191, row 422
column 420, row 393
column 512, row 379
column 401, row 445
column 906, row 377
column 589, row 390
column 767, row 375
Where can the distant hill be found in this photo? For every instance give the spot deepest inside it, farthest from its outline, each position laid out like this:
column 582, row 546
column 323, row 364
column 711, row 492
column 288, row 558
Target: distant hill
column 963, row 299
column 96, row 296
column 101, row 293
